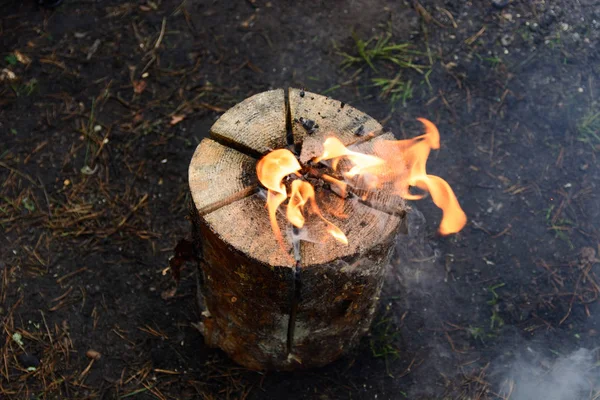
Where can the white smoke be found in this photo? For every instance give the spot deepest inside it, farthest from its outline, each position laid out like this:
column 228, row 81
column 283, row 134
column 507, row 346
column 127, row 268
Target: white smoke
column 571, row 377
column 418, row 276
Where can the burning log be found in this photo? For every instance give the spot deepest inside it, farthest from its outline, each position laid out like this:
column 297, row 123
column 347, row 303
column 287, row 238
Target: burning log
column 297, row 288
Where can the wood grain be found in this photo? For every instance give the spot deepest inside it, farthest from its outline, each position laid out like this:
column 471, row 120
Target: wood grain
column 254, row 126
column 219, row 175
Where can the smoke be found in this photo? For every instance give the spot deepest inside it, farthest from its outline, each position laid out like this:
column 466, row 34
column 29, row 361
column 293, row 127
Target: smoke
column 519, row 369
column 532, row 376
column 417, row 278
column 415, row 267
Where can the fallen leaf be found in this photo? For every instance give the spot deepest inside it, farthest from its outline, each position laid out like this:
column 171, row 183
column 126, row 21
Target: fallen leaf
column 175, row 119
column 7, row 74
column 88, row 171
column 139, row 86
column 23, row 59
column 169, row 293
column 138, row 117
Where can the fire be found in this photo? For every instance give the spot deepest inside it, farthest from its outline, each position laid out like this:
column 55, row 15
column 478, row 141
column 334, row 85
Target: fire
column 272, row 170
column 303, row 192
column 413, row 153
column 399, row 164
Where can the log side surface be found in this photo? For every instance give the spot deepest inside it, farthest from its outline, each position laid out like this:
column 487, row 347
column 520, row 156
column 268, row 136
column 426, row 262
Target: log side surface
column 250, row 285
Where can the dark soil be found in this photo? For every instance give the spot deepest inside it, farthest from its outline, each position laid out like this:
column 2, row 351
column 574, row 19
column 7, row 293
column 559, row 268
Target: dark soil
column 103, row 102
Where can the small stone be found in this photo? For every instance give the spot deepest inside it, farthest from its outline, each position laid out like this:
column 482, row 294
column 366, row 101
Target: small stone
column 28, row 360
column 500, row 4
column 506, row 40
column 93, row 354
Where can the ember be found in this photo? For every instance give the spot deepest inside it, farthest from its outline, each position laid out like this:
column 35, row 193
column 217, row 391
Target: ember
column 395, row 164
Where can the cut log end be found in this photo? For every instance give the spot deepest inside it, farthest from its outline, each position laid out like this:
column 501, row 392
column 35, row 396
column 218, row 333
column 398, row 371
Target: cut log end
column 266, row 310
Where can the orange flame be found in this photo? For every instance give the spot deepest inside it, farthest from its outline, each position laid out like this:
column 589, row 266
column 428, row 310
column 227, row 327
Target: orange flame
column 303, row 192
column 414, row 153
column 399, row 163
column 334, row 149
column 402, row 163
column 272, row 170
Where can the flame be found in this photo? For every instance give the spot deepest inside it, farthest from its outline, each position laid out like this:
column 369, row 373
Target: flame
column 303, row 192
column 396, row 164
column 402, row 163
column 271, row 171
column 363, row 163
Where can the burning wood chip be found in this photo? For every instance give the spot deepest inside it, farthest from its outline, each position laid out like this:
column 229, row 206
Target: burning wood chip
column 309, row 125
column 360, row 131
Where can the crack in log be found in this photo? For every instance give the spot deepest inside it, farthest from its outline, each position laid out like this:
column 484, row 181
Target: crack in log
column 297, row 281
column 234, row 145
column 296, row 297
column 242, row 194
column 289, row 131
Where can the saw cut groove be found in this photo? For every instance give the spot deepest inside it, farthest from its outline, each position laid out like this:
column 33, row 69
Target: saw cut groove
column 256, row 125
column 247, row 192
column 221, row 174
column 297, row 293
column 288, row 125
column 227, row 142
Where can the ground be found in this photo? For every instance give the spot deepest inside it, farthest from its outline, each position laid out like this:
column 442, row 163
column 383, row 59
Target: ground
column 103, row 102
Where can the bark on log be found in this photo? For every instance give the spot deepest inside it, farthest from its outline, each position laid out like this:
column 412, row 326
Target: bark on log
column 262, row 308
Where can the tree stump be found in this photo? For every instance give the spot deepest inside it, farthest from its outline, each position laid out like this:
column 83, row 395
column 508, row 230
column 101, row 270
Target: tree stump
column 262, row 308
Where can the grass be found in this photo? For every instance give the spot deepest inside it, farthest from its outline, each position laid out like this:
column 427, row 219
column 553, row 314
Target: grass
column 496, row 321
column 381, row 53
column 493, row 61
column 560, row 226
column 589, row 128
column 395, row 89
column 381, row 49
column 25, row 89
column 383, row 341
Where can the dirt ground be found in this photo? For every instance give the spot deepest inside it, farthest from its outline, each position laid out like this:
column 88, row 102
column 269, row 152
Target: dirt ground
column 103, row 102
